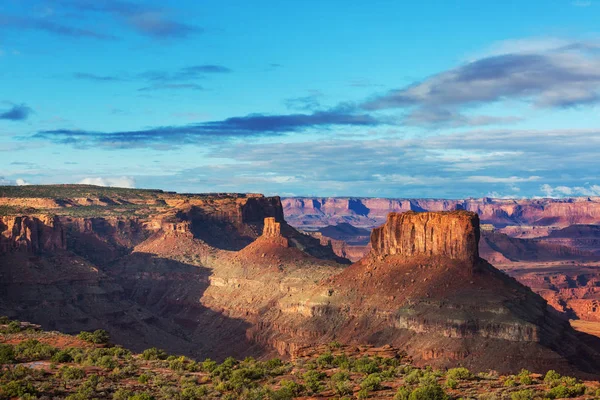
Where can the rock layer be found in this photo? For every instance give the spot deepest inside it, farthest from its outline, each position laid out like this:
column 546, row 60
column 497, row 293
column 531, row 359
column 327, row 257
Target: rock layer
column 445, row 234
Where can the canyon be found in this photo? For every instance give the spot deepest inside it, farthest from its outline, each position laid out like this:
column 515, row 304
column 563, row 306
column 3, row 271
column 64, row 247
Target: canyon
column 550, row 245
column 213, row 275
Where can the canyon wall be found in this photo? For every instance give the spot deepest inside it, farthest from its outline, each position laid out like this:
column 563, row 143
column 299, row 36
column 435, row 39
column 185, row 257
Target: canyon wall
column 313, row 213
column 32, row 234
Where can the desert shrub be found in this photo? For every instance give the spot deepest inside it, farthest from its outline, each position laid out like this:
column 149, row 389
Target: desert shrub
column 312, row 380
column 428, row 378
column 524, row 377
column 413, row 377
column 177, row 363
column 510, row 382
column 429, row 392
column 288, row 391
column 274, row 363
column 208, row 365
column 362, row 394
column 17, row 388
column 341, row 361
column 143, row 378
column 242, row 378
column 335, row 345
column 526, row 394
column 325, row 360
column 388, row 373
column 193, row 392
column 451, row 383
column 71, row 373
column 62, row 356
column 366, row 365
column 459, row 373
column 563, row 391
column 402, row 393
column 371, row 383
column 340, row 376
column 552, row 378
column 343, row 387
column 154, row 353
column 33, row 350
column 99, row 336
column 106, row 362
column 7, row 354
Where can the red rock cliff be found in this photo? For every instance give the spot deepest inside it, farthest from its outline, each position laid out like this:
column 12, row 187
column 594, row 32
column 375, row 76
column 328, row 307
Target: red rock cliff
column 452, row 234
column 31, row 234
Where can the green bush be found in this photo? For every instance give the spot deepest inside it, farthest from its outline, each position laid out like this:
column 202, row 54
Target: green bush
column 527, row 394
column 510, row 382
column 325, row 360
column 371, row 383
column 312, row 380
column 524, row 377
column 459, row 373
column 429, row 392
column 62, row 356
column 208, row 365
column 343, row 387
column 7, row 354
column 451, row 383
column 366, row 365
column 99, row 336
column 413, row 377
column 33, row 350
column 71, row 373
column 552, row 377
column 154, row 354
column 563, row 391
column 143, row 378
column 17, row 388
column 402, row 393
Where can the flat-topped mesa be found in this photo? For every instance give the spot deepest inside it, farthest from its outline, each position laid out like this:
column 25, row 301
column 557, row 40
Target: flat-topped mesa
column 453, row 234
column 272, row 231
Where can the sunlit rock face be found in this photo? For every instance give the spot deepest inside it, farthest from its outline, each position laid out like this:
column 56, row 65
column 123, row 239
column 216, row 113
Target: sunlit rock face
column 446, row 234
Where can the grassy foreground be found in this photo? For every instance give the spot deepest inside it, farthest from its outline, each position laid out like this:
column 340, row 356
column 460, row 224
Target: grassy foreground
column 35, row 364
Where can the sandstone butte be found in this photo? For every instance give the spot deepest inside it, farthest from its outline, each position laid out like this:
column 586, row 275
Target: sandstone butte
column 224, row 274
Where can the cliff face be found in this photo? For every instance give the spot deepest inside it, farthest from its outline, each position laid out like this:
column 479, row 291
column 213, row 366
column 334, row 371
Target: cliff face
column 316, row 212
column 451, row 234
column 32, row 234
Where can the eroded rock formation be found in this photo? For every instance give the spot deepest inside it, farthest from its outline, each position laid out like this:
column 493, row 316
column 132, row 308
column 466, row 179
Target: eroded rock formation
column 33, row 234
column 446, row 234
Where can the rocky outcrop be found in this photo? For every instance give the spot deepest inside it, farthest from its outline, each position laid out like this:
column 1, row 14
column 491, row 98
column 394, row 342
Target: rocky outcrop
column 32, row 234
column 445, row 234
column 272, row 232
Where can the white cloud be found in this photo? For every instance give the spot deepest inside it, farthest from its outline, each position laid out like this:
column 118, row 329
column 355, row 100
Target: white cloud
column 22, row 182
column 498, row 179
column 566, row 191
column 123, row 181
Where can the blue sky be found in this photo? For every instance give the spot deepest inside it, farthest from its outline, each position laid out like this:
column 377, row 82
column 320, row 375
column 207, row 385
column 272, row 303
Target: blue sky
column 332, row 98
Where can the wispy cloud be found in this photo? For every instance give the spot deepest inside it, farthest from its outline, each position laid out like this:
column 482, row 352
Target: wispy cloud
column 97, row 78
column 18, row 112
column 145, row 19
column 549, row 74
column 181, row 78
column 45, row 25
column 254, row 125
column 170, row 86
